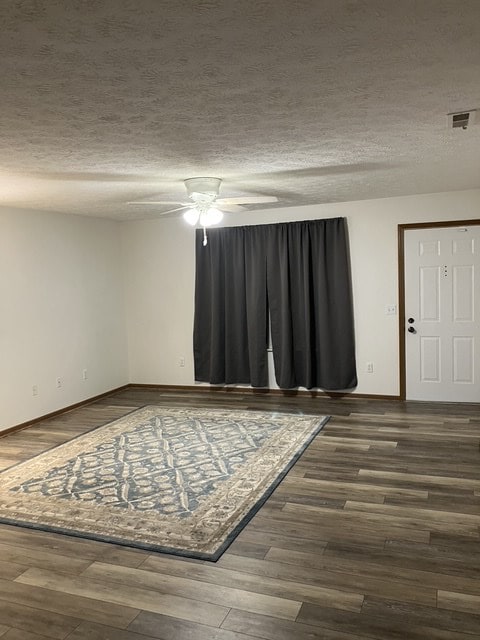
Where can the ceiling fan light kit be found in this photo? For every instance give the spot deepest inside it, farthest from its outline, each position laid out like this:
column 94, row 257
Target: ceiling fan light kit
column 207, row 216
column 203, row 192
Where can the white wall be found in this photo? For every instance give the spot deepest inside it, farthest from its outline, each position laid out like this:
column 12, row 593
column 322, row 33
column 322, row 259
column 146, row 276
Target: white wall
column 73, row 288
column 159, row 275
column 159, row 259
column 61, row 311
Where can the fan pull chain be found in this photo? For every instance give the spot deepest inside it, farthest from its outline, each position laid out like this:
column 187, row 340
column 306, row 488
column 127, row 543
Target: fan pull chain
column 204, row 237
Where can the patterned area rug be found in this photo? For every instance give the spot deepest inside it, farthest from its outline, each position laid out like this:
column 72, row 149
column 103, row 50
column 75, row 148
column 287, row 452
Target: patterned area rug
column 182, row 481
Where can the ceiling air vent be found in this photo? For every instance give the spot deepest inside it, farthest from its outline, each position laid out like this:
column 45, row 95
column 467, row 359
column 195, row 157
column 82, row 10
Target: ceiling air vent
column 462, row 119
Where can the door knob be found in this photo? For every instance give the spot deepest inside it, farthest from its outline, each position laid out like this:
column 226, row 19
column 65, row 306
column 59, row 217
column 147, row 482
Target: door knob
column 410, row 320
column 411, row 330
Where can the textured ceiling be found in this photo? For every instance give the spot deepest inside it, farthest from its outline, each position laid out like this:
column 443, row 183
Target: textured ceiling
column 106, row 101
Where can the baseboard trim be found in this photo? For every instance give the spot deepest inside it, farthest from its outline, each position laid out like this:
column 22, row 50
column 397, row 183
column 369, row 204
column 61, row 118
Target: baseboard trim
column 58, row 412
column 314, row 393
column 302, row 393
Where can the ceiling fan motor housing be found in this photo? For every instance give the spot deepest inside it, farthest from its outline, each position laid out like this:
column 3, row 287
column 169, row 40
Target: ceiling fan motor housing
column 203, row 189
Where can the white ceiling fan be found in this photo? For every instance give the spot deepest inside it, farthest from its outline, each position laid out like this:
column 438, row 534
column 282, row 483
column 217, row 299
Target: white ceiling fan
column 205, row 206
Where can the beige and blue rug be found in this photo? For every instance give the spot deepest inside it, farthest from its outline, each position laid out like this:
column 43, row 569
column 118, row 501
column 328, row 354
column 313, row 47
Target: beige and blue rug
column 181, row 481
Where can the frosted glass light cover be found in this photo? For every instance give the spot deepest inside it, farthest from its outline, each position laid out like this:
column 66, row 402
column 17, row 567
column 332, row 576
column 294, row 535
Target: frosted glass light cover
column 210, row 217
column 191, row 216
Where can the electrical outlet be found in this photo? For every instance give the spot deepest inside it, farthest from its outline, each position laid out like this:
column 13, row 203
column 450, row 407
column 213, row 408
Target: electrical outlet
column 369, row 367
column 59, row 383
column 35, row 390
column 84, row 374
column 181, row 362
column 391, row 310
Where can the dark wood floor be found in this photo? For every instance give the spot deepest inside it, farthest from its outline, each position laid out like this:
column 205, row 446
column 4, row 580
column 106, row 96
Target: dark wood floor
column 374, row 533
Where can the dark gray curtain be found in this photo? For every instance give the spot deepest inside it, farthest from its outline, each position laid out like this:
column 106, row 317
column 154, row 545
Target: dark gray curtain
column 230, row 326
column 299, row 271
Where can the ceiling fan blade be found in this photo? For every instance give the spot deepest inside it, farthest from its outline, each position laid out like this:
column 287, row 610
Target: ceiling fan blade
column 184, row 204
column 164, row 213
column 231, row 208
column 247, row 200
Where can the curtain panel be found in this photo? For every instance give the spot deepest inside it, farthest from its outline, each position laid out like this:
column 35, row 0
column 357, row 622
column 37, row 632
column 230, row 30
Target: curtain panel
column 297, row 274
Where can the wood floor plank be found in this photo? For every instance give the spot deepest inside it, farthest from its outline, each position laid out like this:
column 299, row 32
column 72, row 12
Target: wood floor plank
column 361, row 569
column 168, row 628
column 375, row 627
column 126, row 596
column 459, row 602
column 454, row 542
column 283, row 541
column 257, row 583
column 384, row 444
column 92, row 631
column 328, row 531
column 25, row 557
column 124, row 556
column 344, row 525
column 465, row 502
column 17, row 634
column 369, row 580
column 248, row 549
column 387, row 518
column 58, row 602
column 29, row 539
column 351, row 490
column 430, row 516
column 29, row 619
column 273, row 629
column 438, row 481
column 279, row 499
column 196, row 589
column 447, row 620
column 10, row 570
column 421, row 557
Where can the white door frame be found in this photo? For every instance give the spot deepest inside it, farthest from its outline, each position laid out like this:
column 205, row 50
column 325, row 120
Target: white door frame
column 401, row 286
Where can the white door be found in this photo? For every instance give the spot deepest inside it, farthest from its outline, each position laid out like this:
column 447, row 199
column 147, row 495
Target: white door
column 442, row 314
